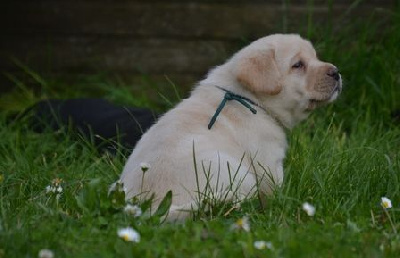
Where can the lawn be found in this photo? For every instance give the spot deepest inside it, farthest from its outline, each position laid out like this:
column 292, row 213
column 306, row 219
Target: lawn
column 342, row 160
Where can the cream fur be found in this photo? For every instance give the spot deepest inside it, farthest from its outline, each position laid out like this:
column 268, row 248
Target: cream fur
column 262, row 72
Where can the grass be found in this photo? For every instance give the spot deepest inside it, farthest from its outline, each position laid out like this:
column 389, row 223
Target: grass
column 342, row 160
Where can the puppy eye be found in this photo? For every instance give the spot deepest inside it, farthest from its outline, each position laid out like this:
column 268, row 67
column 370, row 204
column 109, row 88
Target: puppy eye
column 299, row 64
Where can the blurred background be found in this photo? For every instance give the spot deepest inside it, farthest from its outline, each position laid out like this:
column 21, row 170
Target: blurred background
column 145, row 44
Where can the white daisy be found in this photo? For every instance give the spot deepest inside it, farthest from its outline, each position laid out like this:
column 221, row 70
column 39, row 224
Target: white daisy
column 133, row 210
column 144, row 166
column 117, row 186
column 242, row 224
column 309, row 209
column 49, row 189
column 55, row 187
column 386, row 203
column 46, row 253
column 59, row 189
column 129, row 234
column 260, row 245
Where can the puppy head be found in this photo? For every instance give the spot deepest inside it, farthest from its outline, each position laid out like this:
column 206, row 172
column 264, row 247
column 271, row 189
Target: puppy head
column 286, row 68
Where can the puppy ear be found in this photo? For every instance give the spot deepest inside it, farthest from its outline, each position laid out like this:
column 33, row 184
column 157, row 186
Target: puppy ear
column 259, row 73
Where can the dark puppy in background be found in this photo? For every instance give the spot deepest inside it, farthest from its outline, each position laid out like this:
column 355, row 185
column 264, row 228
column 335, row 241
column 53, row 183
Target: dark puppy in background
column 101, row 122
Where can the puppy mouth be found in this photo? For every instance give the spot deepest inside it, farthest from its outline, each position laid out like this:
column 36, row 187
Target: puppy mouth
column 313, row 103
column 328, row 97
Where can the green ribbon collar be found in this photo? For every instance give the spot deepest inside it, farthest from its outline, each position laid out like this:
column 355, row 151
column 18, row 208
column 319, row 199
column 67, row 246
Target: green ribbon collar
column 248, row 103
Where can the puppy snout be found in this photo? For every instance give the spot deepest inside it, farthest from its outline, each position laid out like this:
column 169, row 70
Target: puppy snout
column 334, row 73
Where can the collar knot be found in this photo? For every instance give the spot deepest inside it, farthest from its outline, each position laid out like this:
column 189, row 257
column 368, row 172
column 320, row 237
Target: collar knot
column 232, row 96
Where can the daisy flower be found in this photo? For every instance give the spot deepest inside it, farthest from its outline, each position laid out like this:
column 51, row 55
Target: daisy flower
column 55, row 187
column 242, row 224
column 117, row 186
column 49, row 189
column 309, row 209
column 386, row 203
column 260, row 245
column 144, row 166
column 129, row 234
column 46, row 253
column 133, row 210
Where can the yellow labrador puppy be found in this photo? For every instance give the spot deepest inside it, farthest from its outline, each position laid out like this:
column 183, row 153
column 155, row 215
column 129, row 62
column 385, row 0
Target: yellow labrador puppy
column 228, row 138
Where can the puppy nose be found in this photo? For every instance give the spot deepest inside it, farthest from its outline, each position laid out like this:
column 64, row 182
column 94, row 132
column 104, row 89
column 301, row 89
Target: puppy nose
column 334, row 73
